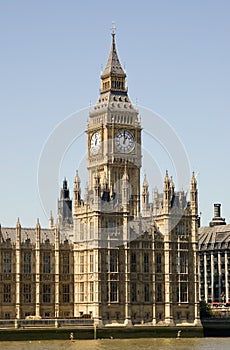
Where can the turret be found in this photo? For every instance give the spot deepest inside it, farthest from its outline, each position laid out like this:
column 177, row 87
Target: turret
column 51, row 221
column 77, row 191
column 172, row 187
column 145, row 196
column 194, row 195
column 65, row 206
column 38, row 234
column 167, row 196
column 18, row 233
column 125, row 191
column 86, row 196
column 97, row 189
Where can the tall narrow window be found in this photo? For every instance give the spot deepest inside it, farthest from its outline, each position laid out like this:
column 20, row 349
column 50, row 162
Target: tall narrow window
column 133, row 262
column 46, row 263
column 81, row 291
column 133, row 292
column 7, row 293
column 91, row 291
column 82, row 262
column 27, row 262
column 146, row 262
column 91, row 262
column 146, row 292
column 113, row 260
column 65, row 265
column 81, row 231
column 183, row 262
column 27, row 293
column 107, row 262
column 46, row 293
column 113, row 291
column 66, row 293
column 6, row 262
column 184, row 292
column 91, row 230
column 158, row 263
column 180, row 228
column 158, row 292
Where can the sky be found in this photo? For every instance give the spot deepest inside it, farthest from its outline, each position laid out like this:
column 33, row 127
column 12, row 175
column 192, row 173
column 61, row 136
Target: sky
column 176, row 55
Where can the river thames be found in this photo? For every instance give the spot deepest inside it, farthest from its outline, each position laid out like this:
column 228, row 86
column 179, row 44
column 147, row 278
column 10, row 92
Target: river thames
column 120, row 344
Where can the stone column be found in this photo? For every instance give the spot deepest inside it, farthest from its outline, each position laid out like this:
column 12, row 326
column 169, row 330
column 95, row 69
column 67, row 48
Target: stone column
column 18, row 270
column 226, row 275
column 37, row 269
column 205, row 278
column 75, row 279
column 154, row 321
column 219, row 277
column 212, row 276
column 57, row 263
column 168, row 315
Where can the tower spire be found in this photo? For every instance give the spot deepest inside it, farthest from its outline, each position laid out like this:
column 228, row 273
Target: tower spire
column 113, row 76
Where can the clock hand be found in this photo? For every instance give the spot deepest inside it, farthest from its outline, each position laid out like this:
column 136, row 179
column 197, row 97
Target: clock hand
column 124, row 138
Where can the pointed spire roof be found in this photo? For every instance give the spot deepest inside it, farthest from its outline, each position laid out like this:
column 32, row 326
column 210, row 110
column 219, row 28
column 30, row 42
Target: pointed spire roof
column 193, row 180
column 113, row 66
column 145, row 182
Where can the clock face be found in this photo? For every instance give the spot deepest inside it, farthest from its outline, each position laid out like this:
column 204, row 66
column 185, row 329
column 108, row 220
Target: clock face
column 95, row 143
column 124, row 141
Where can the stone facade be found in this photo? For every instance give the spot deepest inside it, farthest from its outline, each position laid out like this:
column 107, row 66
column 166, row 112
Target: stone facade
column 214, row 259
column 117, row 257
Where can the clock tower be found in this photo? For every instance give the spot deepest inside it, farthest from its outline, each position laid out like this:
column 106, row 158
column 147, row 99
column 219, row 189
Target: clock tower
column 114, row 136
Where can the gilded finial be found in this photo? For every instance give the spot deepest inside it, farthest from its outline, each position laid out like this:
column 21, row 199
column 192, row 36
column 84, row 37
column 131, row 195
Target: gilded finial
column 113, row 28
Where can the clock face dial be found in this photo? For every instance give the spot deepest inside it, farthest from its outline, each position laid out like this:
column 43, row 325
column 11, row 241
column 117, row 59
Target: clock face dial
column 124, row 141
column 95, row 143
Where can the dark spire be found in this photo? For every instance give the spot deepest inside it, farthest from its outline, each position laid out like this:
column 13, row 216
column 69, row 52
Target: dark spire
column 64, row 190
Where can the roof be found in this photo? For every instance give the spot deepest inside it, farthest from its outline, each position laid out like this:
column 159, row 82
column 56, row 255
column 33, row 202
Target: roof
column 216, row 234
column 113, row 66
column 30, row 234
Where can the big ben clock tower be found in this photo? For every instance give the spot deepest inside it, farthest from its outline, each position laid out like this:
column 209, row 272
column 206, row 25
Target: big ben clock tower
column 114, row 136
column 111, row 201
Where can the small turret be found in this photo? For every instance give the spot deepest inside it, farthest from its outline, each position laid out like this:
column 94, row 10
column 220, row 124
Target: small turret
column 86, row 196
column 18, row 225
column 77, row 190
column 51, row 221
column 97, row 190
column 18, row 233
column 145, row 195
column 125, row 197
column 194, row 195
column 167, row 196
column 38, row 234
column 65, row 206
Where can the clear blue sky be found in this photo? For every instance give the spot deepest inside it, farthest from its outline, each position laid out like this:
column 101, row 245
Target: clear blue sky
column 177, row 58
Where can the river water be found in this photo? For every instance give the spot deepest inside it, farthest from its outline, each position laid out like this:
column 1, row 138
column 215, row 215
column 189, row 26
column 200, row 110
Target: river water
column 120, row 344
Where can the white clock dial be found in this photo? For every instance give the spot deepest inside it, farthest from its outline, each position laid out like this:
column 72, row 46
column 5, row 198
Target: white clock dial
column 124, row 141
column 95, row 143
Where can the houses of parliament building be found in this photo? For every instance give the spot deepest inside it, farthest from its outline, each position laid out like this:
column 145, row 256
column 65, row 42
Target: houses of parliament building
column 112, row 255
